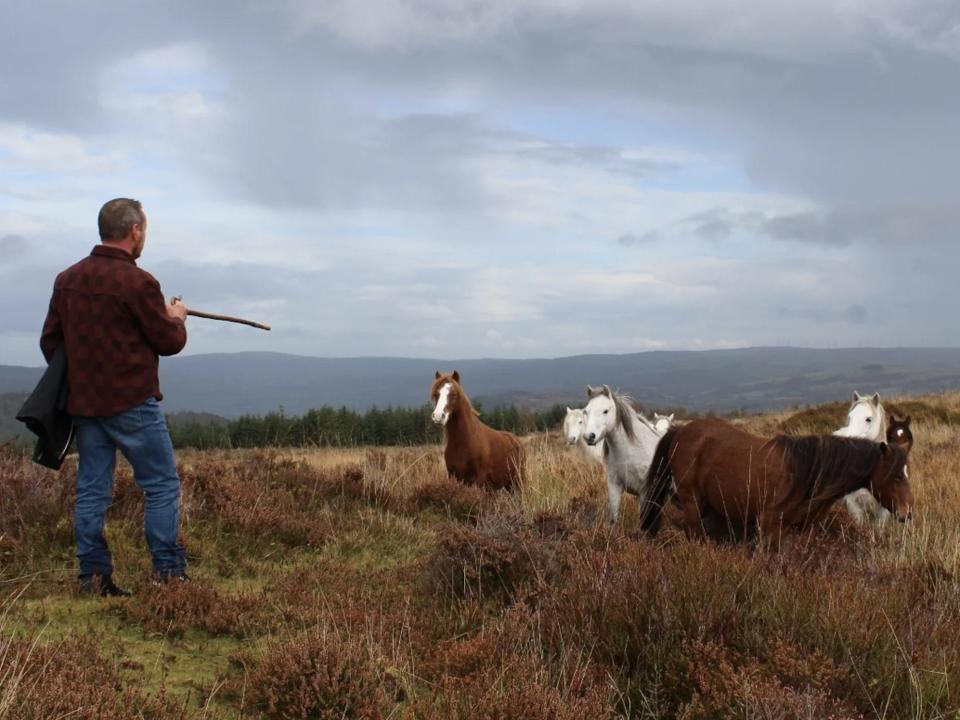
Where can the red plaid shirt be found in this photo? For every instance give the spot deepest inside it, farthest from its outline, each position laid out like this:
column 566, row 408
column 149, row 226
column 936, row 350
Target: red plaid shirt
column 113, row 318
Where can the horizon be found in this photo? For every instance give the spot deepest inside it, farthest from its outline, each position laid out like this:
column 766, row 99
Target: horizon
column 499, row 180
column 426, row 358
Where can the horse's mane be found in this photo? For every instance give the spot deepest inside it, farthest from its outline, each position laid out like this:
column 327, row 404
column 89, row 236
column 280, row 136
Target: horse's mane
column 625, row 414
column 827, row 466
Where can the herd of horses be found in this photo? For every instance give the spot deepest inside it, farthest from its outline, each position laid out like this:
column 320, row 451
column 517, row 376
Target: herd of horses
column 728, row 484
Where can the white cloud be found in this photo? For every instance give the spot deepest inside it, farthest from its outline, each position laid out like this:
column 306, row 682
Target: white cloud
column 28, row 151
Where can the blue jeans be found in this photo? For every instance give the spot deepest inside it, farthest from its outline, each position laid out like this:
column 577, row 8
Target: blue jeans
column 141, row 435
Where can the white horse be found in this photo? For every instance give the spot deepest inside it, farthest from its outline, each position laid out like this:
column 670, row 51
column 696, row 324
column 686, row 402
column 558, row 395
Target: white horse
column 573, row 426
column 866, row 420
column 662, row 423
column 630, row 441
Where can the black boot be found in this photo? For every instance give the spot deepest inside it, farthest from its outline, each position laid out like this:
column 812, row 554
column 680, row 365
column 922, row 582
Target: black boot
column 102, row 585
column 165, row 577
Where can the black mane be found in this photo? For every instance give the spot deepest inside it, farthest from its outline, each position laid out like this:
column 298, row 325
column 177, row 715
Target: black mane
column 826, row 467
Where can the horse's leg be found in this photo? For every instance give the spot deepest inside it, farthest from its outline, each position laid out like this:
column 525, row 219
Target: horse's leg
column 771, row 529
column 858, row 504
column 614, row 494
column 719, row 528
column 693, row 516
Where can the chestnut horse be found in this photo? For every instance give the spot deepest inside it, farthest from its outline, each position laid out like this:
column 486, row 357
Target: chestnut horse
column 475, row 453
column 723, row 476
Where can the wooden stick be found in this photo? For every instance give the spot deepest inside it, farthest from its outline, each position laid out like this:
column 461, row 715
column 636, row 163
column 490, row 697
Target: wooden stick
column 227, row 318
column 224, row 318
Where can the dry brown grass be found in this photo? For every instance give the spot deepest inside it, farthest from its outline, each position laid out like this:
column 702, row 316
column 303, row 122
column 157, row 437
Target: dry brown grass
column 365, row 583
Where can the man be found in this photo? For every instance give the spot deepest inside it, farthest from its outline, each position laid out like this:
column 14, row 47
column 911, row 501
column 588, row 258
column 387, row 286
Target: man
column 114, row 322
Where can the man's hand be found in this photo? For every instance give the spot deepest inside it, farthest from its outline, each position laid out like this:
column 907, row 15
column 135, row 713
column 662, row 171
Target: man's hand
column 177, row 310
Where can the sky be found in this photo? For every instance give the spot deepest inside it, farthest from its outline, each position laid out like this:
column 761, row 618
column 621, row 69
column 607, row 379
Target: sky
column 494, row 178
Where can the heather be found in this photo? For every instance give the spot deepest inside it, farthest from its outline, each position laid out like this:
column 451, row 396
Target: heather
column 363, row 583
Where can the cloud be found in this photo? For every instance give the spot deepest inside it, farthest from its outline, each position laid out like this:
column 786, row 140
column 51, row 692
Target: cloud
column 27, row 151
column 718, row 223
column 630, row 239
column 856, row 314
column 889, row 226
column 502, row 177
column 772, row 30
column 12, row 246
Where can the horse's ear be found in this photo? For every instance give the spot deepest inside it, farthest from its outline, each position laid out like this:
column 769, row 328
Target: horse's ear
column 437, row 376
column 906, row 420
column 875, row 399
column 670, row 417
column 456, row 376
column 856, row 396
column 569, row 411
column 606, row 391
column 590, row 391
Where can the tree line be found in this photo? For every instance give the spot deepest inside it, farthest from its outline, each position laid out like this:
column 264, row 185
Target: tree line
column 341, row 427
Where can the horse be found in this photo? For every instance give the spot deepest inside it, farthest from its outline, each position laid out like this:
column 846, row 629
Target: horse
column 898, row 433
column 720, row 473
column 629, row 441
column 662, row 423
column 475, row 453
column 866, row 419
column 573, row 425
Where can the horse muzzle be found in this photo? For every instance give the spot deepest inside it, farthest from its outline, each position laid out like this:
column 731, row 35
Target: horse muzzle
column 591, row 439
column 440, row 419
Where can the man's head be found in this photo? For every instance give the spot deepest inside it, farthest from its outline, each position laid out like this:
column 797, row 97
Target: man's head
column 123, row 223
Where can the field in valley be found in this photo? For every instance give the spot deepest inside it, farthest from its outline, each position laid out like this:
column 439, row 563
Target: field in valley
column 364, row 584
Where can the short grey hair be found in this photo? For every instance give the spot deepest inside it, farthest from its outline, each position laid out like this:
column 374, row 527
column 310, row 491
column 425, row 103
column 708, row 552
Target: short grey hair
column 117, row 218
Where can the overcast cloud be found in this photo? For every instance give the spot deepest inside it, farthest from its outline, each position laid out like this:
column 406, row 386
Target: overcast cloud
column 497, row 178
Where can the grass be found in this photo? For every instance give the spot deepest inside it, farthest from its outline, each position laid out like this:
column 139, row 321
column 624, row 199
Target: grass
column 364, row 583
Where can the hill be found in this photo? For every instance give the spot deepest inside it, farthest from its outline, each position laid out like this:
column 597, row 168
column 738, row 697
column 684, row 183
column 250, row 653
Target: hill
column 751, row 379
column 10, row 404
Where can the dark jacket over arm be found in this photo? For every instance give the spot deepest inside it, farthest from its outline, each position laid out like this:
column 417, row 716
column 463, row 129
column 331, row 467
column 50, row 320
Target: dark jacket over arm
column 45, row 413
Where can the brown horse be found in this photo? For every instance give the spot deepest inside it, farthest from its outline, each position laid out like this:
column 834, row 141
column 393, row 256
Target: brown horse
column 898, row 433
column 475, row 453
column 723, row 476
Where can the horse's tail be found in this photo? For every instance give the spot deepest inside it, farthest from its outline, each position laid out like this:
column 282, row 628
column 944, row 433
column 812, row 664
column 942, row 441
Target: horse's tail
column 659, row 483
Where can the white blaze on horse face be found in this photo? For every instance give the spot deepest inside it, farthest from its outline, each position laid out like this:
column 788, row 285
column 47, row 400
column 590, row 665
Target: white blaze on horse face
column 440, row 413
column 601, row 415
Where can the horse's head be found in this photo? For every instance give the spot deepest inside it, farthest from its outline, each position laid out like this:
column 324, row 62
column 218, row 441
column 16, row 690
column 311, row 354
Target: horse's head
column 890, row 481
column 865, row 418
column 600, row 414
column 662, row 423
column 573, row 425
column 898, row 433
column 445, row 394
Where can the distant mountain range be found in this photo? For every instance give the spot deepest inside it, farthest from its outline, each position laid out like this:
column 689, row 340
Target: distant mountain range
column 751, row 379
